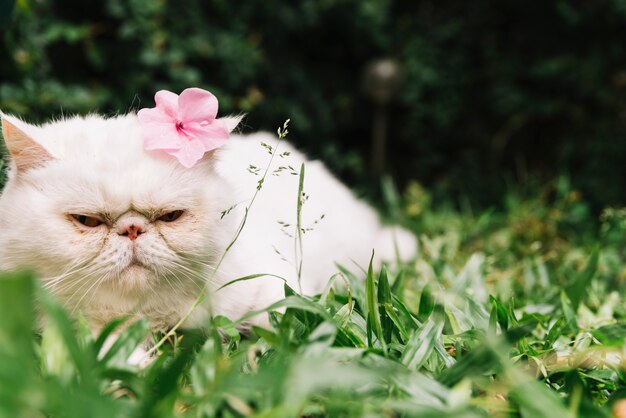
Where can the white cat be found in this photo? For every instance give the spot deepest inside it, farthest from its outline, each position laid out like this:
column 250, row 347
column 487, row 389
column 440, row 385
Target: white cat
column 112, row 229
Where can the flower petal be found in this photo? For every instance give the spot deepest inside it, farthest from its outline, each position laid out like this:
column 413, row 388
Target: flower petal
column 212, row 135
column 189, row 154
column 167, row 102
column 154, row 115
column 183, row 126
column 161, row 136
column 197, row 105
column 158, row 129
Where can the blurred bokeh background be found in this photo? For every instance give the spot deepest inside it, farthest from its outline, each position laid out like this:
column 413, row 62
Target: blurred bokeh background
column 491, row 95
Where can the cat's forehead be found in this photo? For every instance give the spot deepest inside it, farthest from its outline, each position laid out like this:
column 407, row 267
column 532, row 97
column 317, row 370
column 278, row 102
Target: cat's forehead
column 92, row 137
column 103, row 162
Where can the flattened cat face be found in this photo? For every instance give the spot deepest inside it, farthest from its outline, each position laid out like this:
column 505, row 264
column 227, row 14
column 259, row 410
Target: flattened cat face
column 101, row 219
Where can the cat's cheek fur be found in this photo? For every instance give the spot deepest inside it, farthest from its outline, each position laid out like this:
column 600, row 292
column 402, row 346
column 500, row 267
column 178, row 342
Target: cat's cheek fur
column 36, row 236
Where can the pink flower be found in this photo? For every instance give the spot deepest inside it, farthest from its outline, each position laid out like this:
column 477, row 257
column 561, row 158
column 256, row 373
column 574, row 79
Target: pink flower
column 183, row 126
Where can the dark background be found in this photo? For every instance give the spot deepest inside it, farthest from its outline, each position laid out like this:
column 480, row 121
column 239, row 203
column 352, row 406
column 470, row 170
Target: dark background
column 496, row 93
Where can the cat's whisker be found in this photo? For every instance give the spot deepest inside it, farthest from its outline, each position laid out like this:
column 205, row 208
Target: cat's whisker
column 71, row 270
column 197, row 261
column 177, row 290
column 192, row 272
column 169, row 273
column 81, row 282
column 95, row 284
column 187, row 276
column 173, row 277
column 52, row 281
column 208, row 266
column 99, row 283
column 198, row 278
column 76, row 287
column 176, row 261
column 69, row 274
column 63, row 287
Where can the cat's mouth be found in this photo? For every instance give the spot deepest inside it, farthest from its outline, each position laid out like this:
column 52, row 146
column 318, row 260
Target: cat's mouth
column 135, row 263
column 134, row 278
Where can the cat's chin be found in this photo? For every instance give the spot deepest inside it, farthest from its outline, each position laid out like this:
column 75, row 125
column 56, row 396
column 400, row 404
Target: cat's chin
column 135, row 279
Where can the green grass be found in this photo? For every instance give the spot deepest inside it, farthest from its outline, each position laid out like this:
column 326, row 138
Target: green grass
column 515, row 312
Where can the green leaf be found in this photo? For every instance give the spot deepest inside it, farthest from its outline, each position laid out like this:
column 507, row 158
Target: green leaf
column 64, row 330
column 352, row 327
column 426, row 304
column 267, row 335
column 611, row 335
column 385, row 304
column 289, row 291
column 16, row 312
column 20, row 389
column 298, row 235
column 373, row 316
column 535, row 399
column 499, row 313
column 391, row 198
column 400, row 329
column 568, row 312
column 523, row 329
column 250, row 277
column 398, row 284
column 294, row 301
column 555, row 331
column 163, row 381
column 577, row 290
column 124, row 345
column 422, row 342
column 106, row 332
column 481, row 360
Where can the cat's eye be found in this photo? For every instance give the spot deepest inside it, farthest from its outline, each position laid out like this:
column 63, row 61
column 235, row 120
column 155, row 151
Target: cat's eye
column 88, row 221
column 171, row 216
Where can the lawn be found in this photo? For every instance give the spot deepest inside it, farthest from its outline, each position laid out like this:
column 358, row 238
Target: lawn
column 508, row 312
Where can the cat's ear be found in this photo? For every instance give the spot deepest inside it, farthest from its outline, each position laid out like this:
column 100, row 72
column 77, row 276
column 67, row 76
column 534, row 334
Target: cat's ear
column 232, row 121
column 25, row 152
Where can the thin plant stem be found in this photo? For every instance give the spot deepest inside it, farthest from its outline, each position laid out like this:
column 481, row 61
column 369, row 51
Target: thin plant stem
column 282, row 133
column 298, row 253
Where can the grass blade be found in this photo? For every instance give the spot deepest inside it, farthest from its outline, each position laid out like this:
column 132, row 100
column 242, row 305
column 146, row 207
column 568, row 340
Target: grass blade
column 422, row 342
column 373, row 316
column 576, row 291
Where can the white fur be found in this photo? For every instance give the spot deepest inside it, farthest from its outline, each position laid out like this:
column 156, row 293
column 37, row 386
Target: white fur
column 101, row 168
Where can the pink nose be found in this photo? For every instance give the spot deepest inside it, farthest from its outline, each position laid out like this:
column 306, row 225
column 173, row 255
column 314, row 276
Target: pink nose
column 131, row 231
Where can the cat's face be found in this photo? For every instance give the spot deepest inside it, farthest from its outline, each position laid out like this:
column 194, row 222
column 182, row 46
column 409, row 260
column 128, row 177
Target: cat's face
column 101, row 219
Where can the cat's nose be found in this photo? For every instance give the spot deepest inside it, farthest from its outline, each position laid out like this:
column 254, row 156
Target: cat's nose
column 132, row 231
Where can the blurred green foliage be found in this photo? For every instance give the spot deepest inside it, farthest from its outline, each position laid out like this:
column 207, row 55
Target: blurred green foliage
column 494, row 91
column 502, row 314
